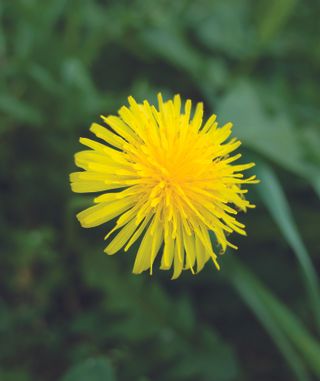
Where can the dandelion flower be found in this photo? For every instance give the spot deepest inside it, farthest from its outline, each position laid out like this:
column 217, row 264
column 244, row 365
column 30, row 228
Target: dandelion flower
column 170, row 181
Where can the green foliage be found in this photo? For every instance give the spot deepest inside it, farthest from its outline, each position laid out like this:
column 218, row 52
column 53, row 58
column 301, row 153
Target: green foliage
column 68, row 312
column 286, row 329
column 274, row 198
column 266, row 310
column 91, row 370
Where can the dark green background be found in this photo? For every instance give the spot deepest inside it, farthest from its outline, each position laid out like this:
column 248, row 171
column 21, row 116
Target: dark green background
column 70, row 313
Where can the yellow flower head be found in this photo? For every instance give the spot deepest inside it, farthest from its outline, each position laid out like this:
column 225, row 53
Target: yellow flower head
column 168, row 179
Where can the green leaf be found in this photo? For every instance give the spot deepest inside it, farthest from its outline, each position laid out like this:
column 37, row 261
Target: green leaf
column 272, row 136
column 185, row 315
column 43, row 78
column 172, row 45
column 274, row 18
column 293, row 340
column 211, row 359
column 98, row 369
column 19, row 110
column 225, row 29
column 316, row 185
column 274, row 198
column 306, row 344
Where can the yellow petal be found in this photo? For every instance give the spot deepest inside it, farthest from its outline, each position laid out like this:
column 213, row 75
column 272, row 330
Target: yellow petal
column 121, row 238
column 106, row 135
column 103, row 212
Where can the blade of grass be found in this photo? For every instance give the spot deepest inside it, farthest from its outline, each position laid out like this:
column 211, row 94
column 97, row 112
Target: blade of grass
column 284, row 327
column 274, row 198
column 308, row 347
column 316, row 186
column 246, row 286
column 274, row 18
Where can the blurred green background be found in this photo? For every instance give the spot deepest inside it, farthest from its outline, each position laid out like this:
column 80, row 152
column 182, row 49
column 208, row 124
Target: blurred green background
column 70, row 313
